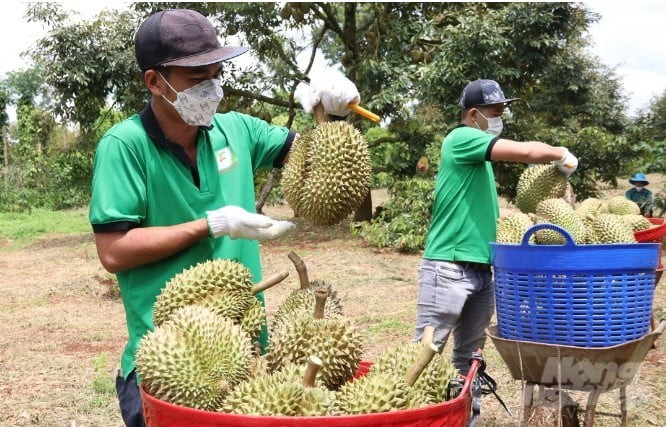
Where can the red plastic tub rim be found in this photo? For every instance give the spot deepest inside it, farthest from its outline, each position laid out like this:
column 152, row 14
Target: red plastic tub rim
column 161, row 413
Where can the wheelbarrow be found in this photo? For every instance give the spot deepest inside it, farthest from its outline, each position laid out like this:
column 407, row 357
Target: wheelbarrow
column 593, row 370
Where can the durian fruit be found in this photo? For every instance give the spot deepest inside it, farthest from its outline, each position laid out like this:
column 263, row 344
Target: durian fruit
column 385, row 390
column 223, row 286
column 328, row 173
column 303, row 299
column 610, row 228
column 433, row 381
column 591, row 206
column 336, row 341
column 558, row 212
column 537, row 183
column 290, row 392
column 620, row 205
column 194, row 358
column 637, row 222
column 511, row 228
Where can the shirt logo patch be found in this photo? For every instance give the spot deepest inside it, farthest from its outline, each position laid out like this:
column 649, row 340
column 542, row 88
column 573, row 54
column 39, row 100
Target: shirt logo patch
column 226, row 160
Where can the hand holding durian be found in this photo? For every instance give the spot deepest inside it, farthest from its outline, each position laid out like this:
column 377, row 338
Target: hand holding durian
column 328, row 172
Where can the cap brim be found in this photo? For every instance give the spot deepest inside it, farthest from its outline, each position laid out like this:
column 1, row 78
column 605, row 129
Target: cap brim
column 631, row 181
column 503, row 101
column 207, row 58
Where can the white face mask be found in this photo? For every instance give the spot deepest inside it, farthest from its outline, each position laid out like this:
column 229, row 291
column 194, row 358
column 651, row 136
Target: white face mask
column 495, row 124
column 197, row 105
column 638, row 188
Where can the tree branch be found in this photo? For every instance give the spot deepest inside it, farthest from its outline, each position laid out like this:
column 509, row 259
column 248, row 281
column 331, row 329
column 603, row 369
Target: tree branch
column 327, row 15
column 239, row 92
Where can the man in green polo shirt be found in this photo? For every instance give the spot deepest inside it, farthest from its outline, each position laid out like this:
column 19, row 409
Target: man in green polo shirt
column 173, row 185
column 456, row 290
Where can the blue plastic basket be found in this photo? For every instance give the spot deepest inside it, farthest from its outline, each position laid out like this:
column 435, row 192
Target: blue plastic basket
column 579, row 295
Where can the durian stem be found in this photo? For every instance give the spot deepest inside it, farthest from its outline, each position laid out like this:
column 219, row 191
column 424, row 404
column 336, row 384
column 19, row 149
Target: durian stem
column 320, row 302
column 428, row 335
column 314, row 363
column 425, row 357
column 301, row 268
column 270, row 282
column 320, row 114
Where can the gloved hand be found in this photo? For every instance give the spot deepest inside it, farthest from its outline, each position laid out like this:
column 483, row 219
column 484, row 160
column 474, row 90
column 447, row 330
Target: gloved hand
column 332, row 89
column 567, row 164
column 237, row 222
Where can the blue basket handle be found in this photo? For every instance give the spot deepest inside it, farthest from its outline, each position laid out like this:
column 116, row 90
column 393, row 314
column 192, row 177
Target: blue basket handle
column 547, row 226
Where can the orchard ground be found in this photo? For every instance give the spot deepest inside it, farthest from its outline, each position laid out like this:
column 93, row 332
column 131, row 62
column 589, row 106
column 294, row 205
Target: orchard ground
column 62, row 326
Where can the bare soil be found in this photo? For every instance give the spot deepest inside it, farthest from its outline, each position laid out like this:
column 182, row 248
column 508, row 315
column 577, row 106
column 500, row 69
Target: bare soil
column 62, row 326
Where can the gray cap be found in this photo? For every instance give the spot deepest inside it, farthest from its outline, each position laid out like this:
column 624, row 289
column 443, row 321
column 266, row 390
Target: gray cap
column 180, row 37
column 482, row 92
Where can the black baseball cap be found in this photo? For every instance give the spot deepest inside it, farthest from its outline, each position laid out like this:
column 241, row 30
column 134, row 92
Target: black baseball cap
column 482, row 92
column 180, row 37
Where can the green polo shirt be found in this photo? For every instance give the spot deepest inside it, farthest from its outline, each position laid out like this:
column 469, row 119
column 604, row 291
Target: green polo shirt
column 141, row 179
column 465, row 209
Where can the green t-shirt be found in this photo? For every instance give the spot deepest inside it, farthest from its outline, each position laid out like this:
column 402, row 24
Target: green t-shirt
column 145, row 182
column 465, row 208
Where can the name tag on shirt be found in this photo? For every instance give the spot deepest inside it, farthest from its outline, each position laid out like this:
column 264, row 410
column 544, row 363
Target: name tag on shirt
column 226, row 159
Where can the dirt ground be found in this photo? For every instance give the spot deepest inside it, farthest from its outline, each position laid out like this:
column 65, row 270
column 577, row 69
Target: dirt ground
column 62, row 326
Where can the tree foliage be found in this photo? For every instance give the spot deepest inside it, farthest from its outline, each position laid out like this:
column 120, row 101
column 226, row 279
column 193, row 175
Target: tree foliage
column 409, row 60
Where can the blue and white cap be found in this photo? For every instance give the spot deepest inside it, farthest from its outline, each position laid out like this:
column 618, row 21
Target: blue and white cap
column 482, row 92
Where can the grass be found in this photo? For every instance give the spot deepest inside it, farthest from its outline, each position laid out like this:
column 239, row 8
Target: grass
column 103, row 387
column 19, row 229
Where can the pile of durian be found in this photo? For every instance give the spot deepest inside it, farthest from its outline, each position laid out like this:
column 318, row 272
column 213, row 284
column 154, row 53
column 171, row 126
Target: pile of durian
column 203, row 352
column 540, row 193
column 328, row 173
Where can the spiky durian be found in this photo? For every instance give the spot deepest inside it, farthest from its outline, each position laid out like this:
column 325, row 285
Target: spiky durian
column 291, row 391
column 537, row 183
column 302, row 300
column 610, row 228
column 620, row 205
column 511, row 228
column 223, row 286
column 558, row 212
column 330, row 173
column 434, row 380
column 228, row 279
column 637, row 222
column 591, row 206
column 389, row 389
column 336, row 341
column 194, row 358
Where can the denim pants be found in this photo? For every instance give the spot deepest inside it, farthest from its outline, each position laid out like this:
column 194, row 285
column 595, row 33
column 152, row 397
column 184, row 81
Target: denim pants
column 455, row 298
column 129, row 399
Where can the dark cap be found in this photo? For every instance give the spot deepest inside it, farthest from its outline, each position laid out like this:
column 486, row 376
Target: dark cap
column 482, row 92
column 180, row 37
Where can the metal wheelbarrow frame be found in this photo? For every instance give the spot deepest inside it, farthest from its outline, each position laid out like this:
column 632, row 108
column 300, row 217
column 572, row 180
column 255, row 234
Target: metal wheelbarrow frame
column 592, row 369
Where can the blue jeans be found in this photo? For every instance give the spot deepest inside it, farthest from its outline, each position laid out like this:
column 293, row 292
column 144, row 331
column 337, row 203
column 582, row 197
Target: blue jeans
column 453, row 297
column 130, row 400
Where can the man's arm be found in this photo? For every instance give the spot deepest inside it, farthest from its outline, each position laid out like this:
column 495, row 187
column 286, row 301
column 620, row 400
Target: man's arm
column 119, row 251
column 525, row 152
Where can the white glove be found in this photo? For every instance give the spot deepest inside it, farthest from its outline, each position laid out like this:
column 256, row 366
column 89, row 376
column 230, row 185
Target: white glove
column 237, row 222
column 567, row 164
column 332, row 89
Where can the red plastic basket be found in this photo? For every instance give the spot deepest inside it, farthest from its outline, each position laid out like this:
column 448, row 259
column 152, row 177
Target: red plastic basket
column 653, row 235
column 452, row 413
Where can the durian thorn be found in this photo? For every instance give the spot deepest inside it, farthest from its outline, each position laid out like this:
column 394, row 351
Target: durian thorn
column 320, row 302
column 428, row 335
column 425, row 357
column 314, row 363
column 301, row 268
column 270, row 282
